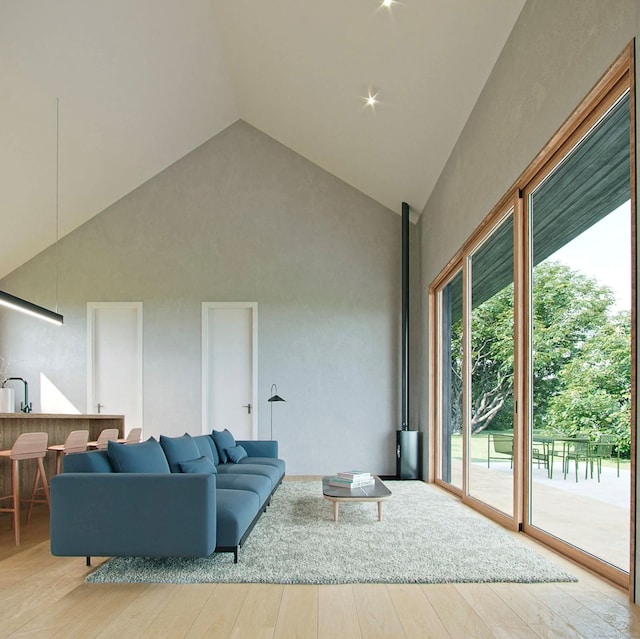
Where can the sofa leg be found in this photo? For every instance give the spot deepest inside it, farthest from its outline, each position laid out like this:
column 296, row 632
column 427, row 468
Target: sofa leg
column 88, row 561
column 236, row 552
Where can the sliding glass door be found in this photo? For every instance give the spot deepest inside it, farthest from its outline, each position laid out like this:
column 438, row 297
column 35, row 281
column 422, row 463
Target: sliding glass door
column 491, row 424
column 580, row 343
column 450, row 466
column 532, row 357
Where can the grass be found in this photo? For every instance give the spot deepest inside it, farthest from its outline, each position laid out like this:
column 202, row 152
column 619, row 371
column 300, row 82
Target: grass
column 478, row 449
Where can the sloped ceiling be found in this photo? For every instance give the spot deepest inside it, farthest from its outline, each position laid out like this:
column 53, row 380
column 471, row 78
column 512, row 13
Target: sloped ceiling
column 141, row 83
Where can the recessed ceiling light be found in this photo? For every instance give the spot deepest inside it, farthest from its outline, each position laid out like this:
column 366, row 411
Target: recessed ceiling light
column 371, row 100
column 387, row 3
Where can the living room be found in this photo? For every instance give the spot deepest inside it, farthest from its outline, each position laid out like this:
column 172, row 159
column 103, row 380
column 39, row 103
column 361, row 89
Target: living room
column 240, row 216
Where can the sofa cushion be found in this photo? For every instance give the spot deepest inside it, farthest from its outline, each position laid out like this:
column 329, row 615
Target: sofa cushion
column 258, row 484
column 267, row 461
column 179, row 449
column 252, row 469
column 91, row 461
column 207, row 448
column 235, row 511
column 201, row 465
column 223, row 439
column 235, row 454
column 146, row 457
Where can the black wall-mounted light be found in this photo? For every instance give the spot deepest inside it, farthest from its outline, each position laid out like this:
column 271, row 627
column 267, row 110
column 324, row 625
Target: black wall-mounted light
column 274, row 398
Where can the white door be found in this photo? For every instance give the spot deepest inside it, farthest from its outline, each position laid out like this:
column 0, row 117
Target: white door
column 229, row 368
column 114, row 333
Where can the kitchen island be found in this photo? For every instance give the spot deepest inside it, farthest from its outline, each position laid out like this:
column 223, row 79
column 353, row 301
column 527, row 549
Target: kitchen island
column 58, row 427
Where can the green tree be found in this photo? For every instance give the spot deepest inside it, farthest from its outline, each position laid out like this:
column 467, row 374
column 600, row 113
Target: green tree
column 569, row 308
column 581, row 356
column 595, row 387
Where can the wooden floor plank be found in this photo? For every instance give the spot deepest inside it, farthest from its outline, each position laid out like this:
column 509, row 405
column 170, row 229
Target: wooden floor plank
column 337, row 613
column 147, row 602
column 457, row 616
column 377, row 615
column 298, row 614
column 544, row 621
column 497, row 615
column 417, row 616
column 177, row 617
column 259, row 614
column 576, row 615
column 219, row 613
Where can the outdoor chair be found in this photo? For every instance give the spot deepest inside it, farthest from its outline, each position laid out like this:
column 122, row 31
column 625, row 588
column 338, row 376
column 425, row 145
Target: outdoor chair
column 502, row 445
column 603, row 448
column 578, row 451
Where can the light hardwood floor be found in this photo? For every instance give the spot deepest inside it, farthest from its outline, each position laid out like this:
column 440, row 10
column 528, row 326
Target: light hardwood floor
column 45, row 596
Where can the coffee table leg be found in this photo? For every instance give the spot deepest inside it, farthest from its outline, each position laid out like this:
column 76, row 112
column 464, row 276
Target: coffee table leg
column 335, row 510
column 379, row 511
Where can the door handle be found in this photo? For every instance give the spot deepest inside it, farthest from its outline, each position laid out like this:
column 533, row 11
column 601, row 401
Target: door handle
column 248, row 407
column 100, row 406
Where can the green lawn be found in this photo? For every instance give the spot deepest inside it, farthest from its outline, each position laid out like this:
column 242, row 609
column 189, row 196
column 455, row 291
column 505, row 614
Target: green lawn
column 479, row 451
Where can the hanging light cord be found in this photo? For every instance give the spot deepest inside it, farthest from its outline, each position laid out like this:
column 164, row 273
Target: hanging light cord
column 57, row 197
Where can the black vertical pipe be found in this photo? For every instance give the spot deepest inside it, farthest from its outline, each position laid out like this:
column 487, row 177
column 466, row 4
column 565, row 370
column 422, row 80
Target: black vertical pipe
column 405, row 316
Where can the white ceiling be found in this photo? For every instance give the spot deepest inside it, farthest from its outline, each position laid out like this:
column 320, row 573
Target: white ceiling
column 141, row 83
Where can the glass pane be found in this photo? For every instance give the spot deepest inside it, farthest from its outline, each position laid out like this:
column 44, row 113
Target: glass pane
column 581, row 338
column 492, row 348
column 451, row 383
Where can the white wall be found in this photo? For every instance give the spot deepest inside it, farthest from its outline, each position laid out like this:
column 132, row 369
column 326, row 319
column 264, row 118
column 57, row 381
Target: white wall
column 555, row 54
column 240, row 218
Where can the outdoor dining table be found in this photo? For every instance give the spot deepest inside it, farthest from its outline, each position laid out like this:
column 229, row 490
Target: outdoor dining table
column 549, row 448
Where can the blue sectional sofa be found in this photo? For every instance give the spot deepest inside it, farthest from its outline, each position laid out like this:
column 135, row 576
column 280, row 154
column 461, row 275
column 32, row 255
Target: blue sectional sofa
column 178, row 497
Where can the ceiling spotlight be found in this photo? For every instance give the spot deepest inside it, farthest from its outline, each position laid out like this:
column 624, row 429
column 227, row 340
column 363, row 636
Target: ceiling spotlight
column 371, row 100
column 387, row 3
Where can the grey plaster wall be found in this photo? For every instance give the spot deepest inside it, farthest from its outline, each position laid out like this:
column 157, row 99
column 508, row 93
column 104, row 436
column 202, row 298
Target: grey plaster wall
column 242, row 218
column 555, row 54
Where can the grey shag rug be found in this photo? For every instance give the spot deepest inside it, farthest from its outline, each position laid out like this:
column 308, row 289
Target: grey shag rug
column 426, row 536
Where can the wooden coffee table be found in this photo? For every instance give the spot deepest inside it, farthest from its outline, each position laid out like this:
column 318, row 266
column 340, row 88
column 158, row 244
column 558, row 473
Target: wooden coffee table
column 377, row 492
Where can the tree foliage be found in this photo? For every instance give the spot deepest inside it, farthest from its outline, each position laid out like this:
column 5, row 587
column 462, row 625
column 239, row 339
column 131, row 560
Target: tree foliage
column 580, row 362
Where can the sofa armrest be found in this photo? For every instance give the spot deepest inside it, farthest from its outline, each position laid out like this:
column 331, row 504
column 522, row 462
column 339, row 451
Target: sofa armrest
column 133, row 514
column 260, row 447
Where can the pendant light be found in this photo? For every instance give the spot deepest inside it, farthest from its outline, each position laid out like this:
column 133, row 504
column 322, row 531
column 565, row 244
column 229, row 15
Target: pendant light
column 19, row 304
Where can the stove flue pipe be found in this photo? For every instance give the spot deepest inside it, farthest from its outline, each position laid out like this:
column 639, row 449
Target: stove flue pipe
column 405, row 316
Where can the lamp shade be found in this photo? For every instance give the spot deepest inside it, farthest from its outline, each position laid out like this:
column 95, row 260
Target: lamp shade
column 276, row 398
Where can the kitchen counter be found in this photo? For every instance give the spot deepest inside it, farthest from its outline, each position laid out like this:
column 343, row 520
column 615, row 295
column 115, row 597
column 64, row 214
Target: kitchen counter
column 58, row 427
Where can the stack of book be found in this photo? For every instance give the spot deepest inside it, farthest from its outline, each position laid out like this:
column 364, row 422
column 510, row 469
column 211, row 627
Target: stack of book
column 352, row 479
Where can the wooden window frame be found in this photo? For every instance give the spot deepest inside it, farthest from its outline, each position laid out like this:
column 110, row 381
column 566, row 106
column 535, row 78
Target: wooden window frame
column 617, row 80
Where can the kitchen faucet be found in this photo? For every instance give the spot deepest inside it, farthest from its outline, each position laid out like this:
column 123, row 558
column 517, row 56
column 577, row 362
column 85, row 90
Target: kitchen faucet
column 25, row 406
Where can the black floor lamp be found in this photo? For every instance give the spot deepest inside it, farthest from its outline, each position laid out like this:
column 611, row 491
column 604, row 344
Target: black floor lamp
column 274, row 398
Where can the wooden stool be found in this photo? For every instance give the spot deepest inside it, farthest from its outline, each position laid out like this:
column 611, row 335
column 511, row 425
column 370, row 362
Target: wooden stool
column 76, row 442
column 134, row 436
column 108, row 434
column 27, row 446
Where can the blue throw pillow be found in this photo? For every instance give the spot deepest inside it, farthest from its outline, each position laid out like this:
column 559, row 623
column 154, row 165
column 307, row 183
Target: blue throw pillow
column 146, row 457
column 207, row 448
column 223, row 439
column 179, row 449
column 202, row 465
column 91, row 461
column 236, row 453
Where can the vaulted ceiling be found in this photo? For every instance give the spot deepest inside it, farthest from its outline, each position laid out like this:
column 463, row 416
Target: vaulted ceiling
column 141, row 83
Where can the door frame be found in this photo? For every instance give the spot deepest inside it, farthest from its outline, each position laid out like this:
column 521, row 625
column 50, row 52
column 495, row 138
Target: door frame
column 206, row 307
column 91, row 309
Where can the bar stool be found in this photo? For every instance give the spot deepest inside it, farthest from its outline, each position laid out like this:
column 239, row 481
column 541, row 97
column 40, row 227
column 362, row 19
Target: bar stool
column 134, row 436
column 76, row 442
column 108, row 434
column 27, row 446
